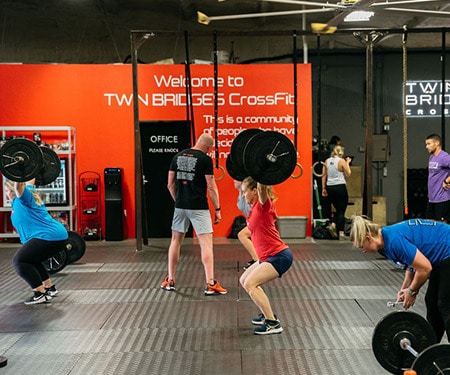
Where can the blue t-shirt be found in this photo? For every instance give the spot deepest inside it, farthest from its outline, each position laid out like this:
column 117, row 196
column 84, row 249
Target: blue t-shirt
column 33, row 221
column 402, row 240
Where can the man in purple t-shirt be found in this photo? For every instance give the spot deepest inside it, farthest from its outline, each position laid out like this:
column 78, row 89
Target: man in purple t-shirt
column 438, row 207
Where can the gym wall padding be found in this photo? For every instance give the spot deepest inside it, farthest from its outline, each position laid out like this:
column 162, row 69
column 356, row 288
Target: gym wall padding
column 97, row 101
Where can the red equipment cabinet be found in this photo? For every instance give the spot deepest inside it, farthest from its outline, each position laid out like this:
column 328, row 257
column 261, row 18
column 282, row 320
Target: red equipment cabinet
column 90, row 202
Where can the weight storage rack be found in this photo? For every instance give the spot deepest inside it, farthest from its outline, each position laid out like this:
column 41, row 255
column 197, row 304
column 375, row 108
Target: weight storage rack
column 90, row 201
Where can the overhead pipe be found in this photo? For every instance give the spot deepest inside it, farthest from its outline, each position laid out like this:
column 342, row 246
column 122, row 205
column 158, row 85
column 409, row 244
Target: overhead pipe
column 305, row 43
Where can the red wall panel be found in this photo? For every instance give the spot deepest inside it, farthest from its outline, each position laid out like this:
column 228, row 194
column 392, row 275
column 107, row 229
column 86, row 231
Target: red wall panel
column 97, row 101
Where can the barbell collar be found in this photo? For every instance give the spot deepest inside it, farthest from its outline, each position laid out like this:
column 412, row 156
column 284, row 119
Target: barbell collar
column 271, row 157
column 405, row 344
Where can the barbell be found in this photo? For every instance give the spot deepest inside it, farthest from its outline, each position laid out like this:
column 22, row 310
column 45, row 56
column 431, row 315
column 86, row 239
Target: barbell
column 405, row 340
column 22, row 160
column 268, row 157
column 74, row 251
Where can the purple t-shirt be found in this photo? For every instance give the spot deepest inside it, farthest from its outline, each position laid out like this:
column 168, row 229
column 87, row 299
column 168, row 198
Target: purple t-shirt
column 438, row 170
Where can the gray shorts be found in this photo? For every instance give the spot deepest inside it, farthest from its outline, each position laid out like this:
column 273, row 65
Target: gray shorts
column 200, row 220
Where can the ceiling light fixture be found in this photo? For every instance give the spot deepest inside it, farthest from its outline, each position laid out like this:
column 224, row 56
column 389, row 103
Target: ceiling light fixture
column 359, row 16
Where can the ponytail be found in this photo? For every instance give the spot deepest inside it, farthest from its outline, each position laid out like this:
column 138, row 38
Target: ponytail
column 362, row 227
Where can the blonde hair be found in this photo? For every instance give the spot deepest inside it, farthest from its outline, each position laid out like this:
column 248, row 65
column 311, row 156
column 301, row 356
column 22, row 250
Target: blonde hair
column 37, row 198
column 362, row 227
column 338, row 150
column 9, row 185
column 252, row 184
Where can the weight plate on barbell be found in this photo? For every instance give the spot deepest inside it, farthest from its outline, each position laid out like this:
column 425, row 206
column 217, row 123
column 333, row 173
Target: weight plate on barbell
column 20, row 160
column 51, row 168
column 235, row 160
column 57, row 262
column 394, row 327
column 232, row 170
column 76, row 246
column 434, row 360
column 270, row 157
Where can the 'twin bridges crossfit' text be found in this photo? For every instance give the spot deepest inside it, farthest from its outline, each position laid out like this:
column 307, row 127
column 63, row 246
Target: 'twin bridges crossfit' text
column 204, row 99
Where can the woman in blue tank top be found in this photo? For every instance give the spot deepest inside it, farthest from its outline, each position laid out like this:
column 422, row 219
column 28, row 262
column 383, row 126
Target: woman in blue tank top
column 422, row 248
column 42, row 237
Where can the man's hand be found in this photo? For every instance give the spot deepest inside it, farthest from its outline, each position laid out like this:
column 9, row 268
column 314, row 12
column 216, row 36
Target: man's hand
column 217, row 217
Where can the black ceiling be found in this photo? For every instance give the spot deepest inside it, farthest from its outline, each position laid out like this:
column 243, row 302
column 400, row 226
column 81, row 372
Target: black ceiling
column 34, row 24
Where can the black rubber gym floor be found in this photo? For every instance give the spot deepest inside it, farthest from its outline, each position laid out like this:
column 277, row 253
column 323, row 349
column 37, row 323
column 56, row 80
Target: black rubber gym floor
column 111, row 317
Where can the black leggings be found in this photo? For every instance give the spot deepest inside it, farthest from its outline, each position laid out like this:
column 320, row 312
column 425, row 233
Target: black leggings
column 28, row 260
column 338, row 196
column 437, row 300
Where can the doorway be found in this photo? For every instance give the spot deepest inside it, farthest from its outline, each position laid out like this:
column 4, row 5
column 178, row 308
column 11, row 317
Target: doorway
column 160, row 141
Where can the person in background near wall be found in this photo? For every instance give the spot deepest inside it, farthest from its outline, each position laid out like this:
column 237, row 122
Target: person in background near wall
column 275, row 257
column 334, row 141
column 421, row 247
column 244, row 235
column 438, row 207
column 42, row 237
column 190, row 178
column 334, row 172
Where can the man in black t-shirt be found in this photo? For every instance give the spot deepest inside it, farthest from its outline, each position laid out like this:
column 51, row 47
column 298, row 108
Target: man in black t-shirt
column 190, row 181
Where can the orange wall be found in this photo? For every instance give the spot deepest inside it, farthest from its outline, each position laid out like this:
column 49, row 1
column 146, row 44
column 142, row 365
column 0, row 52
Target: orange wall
column 97, row 101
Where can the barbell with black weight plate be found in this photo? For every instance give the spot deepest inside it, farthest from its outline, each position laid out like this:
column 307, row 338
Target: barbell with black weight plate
column 235, row 160
column 76, row 246
column 57, row 262
column 74, row 251
column 51, row 167
column 22, row 160
column 268, row 157
column 405, row 340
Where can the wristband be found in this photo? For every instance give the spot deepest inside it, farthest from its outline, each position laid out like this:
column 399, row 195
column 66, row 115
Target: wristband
column 218, row 209
column 410, row 291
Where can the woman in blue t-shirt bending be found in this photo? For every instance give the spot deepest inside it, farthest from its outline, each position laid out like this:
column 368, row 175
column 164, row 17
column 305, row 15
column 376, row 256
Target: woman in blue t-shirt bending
column 42, row 237
column 422, row 248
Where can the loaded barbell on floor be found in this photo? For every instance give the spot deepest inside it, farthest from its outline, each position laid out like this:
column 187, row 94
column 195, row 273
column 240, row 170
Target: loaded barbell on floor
column 405, row 340
column 268, row 157
column 74, row 251
column 22, row 160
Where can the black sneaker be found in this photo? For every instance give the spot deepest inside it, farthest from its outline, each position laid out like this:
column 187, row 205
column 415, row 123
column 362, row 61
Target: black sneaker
column 249, row 263
column 259, row 320
column 269, row 327
column 52, row 292
column 38, row 298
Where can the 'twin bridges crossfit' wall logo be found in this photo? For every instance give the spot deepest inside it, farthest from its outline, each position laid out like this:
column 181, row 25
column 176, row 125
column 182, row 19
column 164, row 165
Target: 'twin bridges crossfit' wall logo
column 424, row 98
